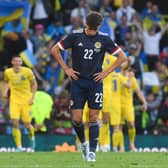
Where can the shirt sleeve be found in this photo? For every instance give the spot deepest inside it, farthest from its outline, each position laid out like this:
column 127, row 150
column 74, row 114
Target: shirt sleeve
column 6, row 78
column 111, row 47
column 135, row 84
column 67, row 42
column 31, row 76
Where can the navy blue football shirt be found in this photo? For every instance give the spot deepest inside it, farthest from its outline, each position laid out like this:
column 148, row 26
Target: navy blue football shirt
column 88, row 51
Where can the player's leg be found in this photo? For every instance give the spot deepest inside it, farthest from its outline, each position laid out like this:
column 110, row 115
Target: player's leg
column 104, row 137
column 79, row 129
column 86, row 121
column 16, row 133
column 132, row 135
column 78, row 99
column 121, row 142
column 115, row 118
column 15, row 116
column 93, row 133
column 26, row 118
column 95, row 105
column 130, row 118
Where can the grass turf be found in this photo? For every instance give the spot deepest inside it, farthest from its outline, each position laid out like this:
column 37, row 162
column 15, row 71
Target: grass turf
column 74, row 160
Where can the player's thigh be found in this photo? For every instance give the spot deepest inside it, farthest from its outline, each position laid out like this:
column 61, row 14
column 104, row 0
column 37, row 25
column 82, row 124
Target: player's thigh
column 128, row 113
column 26, row 113
column 115, row 114
column 15, row 110
column 78, row 95
column 95, row 95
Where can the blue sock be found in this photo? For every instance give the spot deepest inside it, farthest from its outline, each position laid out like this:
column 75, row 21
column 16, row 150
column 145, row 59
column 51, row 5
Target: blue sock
column 79, row 128
column 93, row 136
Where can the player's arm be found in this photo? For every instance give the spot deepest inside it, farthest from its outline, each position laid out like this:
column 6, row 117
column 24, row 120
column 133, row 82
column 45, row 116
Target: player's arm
column 128, row 83
column 64, row 44
column 120, row 59
column 34, row 87
column 6, row 90
column 142, row 99
column 115, row 50
column 6, row 85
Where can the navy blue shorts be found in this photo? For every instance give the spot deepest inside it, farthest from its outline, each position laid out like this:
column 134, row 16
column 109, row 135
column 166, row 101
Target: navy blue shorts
column 83, row 90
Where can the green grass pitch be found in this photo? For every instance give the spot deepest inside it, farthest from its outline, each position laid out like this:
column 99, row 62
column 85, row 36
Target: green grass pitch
column 74, row 160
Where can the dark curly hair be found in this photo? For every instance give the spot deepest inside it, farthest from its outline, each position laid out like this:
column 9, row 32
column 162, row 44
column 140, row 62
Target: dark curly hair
column 94, row 20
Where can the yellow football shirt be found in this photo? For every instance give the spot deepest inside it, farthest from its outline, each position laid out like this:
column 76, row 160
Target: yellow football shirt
column 117, row 83
column 127, row 93
column 108, row 61
column 20, row 84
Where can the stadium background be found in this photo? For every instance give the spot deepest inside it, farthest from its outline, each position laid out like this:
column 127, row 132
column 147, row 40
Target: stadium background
column 31, row 28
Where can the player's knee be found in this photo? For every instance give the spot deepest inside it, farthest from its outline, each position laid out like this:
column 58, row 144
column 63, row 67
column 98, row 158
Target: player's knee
column 76, row 123
column 93, row 118
column 27, row 125
column 116, row 128
column 131, row 125
column 106, row 118
column 76, row 119
column 15, row 124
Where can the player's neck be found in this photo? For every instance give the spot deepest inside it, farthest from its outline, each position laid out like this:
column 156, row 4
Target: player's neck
column 16, row 69
column 124, row 73
column 89, row 32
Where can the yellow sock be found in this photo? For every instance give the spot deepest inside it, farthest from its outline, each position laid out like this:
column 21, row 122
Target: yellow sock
column 121, row 142
column 87, row 134
column 17, row 137
column 104, row 135
column 31, row 132
column 131, row 133
column 107, row 134
column 116, row 138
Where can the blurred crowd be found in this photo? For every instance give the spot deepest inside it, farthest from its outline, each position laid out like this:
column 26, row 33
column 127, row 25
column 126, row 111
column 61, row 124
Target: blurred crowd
column 143, row 34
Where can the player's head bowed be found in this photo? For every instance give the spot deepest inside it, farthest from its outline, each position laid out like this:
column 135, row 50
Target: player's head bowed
column 93, row 20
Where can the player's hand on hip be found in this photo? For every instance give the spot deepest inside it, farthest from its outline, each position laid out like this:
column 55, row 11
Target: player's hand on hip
column 72, row 73
column 100, row 76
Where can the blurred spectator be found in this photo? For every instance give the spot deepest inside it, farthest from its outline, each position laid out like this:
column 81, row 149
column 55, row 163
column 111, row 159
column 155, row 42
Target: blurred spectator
column 106, row 28
column 153, row 104
column 106, row 8
column 155, row 15
column 75, row 25
column 134, row 53
column 126, row 9
column 135, row 33
column 112, row 19
column 41, row 12
column 56, row 30
column 162, row 72
column 29, row 44
column 61, row 115
column 151, row 39
column 80, row 12
column 121, row 30
column 147, row 10
column 41, row 110
column 13, row 44
column 13, row 26
column 54, row 76
column 40, row 39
